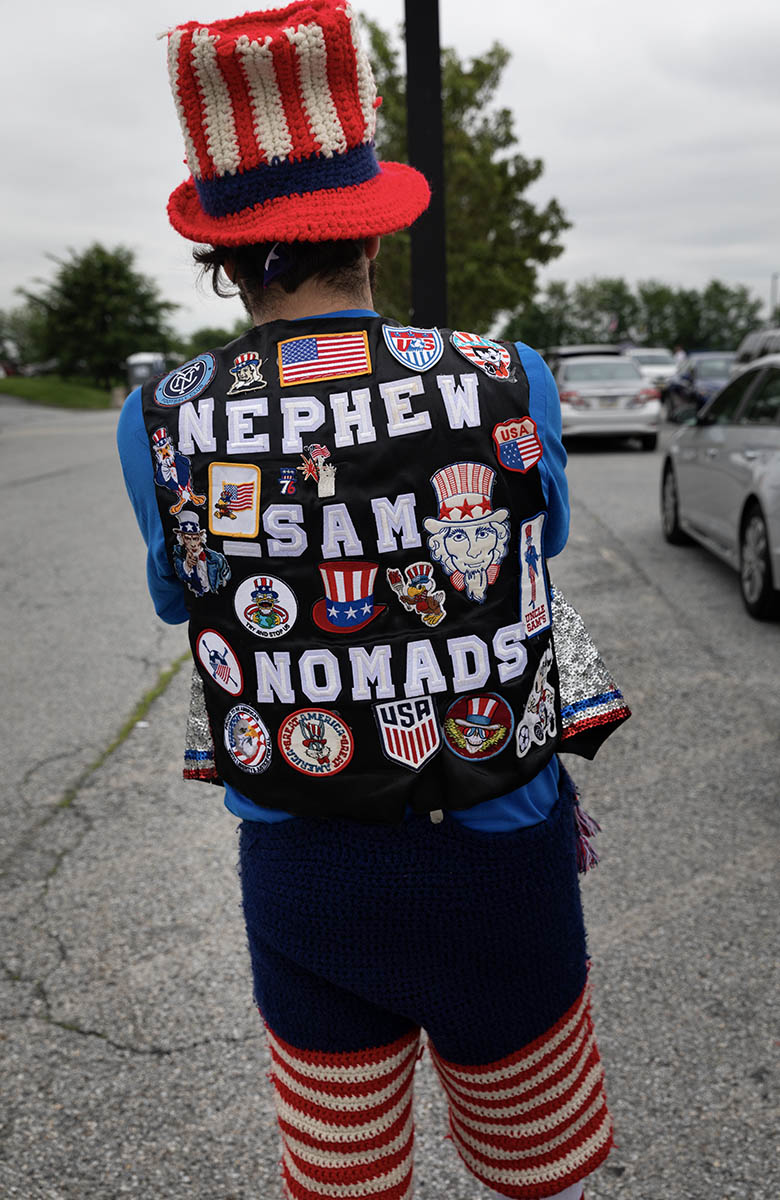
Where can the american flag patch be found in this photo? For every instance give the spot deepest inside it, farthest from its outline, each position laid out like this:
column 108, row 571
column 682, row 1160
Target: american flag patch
column 517, row 444
column 240, row 496
column 323, row 356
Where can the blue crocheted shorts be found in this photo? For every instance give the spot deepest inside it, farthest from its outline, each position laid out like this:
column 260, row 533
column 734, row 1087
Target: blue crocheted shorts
column 361, row 936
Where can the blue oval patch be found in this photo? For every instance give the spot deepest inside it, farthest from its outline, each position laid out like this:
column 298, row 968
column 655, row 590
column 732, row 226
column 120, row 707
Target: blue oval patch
column 186, row 382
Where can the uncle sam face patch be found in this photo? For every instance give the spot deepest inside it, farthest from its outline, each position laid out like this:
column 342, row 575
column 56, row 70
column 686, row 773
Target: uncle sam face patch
column 186, row 382
column 478, row 727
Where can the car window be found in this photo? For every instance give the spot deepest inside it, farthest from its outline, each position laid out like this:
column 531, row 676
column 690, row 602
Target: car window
column 619, row 371
column 763, row 408
column 713, row 368
column 648, row 359
column 722, row 409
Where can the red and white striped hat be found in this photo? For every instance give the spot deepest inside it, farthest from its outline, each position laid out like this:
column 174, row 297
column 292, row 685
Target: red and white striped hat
column 278, row 112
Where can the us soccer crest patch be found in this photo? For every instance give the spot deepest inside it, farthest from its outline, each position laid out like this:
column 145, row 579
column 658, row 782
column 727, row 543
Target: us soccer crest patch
column 186, row 382
column 409, row 730
column 247, row 739
column 316, row 742
column 415, row 348
column 517, row 444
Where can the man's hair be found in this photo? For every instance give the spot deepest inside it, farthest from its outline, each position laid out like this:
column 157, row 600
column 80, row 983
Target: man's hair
column 337, row 264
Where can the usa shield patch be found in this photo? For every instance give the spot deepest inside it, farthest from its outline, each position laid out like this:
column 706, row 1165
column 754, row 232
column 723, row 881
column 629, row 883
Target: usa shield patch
column 517, row 444
column 409, row 730
column 415, row 348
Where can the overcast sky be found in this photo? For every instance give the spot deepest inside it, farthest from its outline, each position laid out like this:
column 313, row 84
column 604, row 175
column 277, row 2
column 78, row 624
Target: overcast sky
column 658, row 124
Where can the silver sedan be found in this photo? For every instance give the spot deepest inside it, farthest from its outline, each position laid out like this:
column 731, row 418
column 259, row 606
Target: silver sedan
column 606, row 396
column 720, row 482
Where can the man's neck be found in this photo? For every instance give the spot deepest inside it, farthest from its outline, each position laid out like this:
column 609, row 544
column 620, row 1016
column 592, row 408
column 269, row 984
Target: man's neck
column 311, row 299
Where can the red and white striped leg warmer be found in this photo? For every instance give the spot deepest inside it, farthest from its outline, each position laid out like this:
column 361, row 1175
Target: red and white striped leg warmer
column 536, row 1122
column 346, row 1120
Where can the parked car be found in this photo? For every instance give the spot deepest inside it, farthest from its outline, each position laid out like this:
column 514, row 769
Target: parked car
column 756, row 345
column 699, row 376
column 720, row 482
column 656, row 364
column 554, row 355
column 606, row 396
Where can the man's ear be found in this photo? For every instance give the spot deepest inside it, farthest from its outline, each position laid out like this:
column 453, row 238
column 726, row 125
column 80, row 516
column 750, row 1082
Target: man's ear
column 371, row 247
column 229, row 267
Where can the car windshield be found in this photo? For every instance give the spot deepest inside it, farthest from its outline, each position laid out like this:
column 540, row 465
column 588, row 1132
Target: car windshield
column 714, row 368
column 616, row 371
column 658, row 358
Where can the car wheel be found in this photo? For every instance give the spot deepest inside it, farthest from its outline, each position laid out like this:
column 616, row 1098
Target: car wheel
column 755, row 576
column 649, row 441
column 670, row 514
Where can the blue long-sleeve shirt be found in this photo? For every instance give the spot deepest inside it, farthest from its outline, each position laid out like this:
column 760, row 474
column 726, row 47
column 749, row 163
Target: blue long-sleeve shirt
column 525, row 805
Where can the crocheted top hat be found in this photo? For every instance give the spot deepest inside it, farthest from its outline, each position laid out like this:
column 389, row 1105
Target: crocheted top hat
column 278, row 111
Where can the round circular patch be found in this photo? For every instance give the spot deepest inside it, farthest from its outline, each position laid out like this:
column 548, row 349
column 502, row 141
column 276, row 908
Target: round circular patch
column 187, row 382
column 265, row 606
column 478, row 727
column 316, row 742
column 218, row 658
column 247, row 739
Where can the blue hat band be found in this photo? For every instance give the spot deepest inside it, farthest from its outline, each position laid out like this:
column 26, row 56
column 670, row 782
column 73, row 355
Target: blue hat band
column 229, row 194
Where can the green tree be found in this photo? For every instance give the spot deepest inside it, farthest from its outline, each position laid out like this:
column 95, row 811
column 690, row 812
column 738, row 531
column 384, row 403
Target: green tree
column 545, row 321
column 207, row 337
column 496, row 238
column 22, row 335
column 603, row 310
column 97, row 310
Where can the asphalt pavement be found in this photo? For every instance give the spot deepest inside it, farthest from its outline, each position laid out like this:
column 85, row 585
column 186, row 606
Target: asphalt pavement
column 131, row 1059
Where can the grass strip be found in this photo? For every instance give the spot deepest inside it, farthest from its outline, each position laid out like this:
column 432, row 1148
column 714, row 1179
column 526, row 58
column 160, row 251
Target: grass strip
column 55, row 392
column 138, row 713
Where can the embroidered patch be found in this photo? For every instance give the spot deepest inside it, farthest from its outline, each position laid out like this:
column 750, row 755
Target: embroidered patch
column 316, row 742
column 186, row 382
column 265, row 606
column 323, row 356
column 537, row 724
column 418, row 592
column 202, row 569
column 247, row 739
column 247, row 376
column 348, row 604
column 478, row 727
column 287, row 479
column 517, row 444
column 534, row 601
column 315, row 467
column 468, row 537
column 173, row 471
column 489, row 356
column 415, row 348
column 218, row 658
column 234, row 499
column 409, row 730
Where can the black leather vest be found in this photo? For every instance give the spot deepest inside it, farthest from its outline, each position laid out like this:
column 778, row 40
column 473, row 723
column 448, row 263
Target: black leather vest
column 356, row 512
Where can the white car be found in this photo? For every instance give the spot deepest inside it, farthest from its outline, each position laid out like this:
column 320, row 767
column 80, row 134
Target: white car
column 606, row 396
column 656, row 364
column 720, row 482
